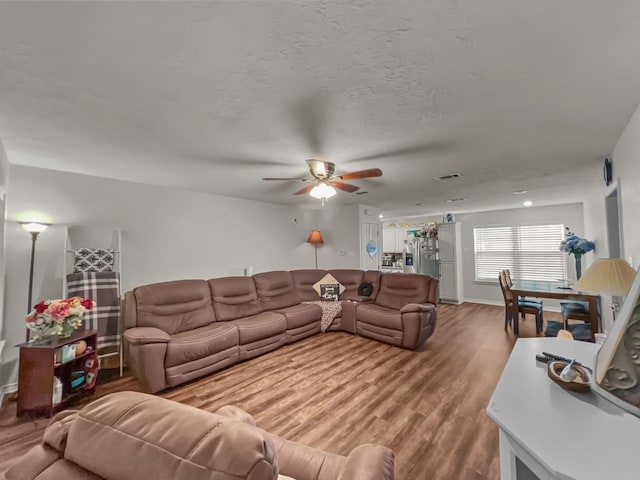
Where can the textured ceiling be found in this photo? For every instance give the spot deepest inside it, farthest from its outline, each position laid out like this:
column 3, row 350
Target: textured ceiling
column 213, row 96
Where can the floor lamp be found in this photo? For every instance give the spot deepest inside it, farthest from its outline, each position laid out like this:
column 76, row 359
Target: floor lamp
column 315, row 238
column 34, row 229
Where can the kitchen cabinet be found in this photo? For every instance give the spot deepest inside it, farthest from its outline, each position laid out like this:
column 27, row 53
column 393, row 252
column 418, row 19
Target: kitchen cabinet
column 393, row 240
column 451, row 279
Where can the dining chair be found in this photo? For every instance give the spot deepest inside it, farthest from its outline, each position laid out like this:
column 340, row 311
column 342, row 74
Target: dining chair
column 510, row 283
column 575, row 310
column 524, row 307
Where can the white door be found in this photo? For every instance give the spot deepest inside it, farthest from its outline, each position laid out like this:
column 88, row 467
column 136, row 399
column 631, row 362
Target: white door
column 370, row 235
column 448, row 283
column 447, row 241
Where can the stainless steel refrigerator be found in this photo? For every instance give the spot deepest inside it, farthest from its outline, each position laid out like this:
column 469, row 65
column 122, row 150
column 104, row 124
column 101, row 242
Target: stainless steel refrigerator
column 422, row 256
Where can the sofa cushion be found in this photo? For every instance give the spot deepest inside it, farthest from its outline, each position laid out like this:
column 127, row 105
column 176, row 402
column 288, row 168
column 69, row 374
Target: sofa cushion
column 259, row 327
column 328, row 288
column 304, row 280
column 350, row 279
column 175, row 440
column 377, row 315
column 174, row 307
column 300, row 315
column 399, row 289
column 234, row 297
column 200, row 342
column 276, row 290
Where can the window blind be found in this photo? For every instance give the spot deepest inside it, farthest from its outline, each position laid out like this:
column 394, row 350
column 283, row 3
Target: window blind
column 530, row 252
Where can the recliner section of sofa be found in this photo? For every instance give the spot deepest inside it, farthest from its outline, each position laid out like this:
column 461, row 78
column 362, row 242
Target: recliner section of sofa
column 181, row 330
column 131, row 435
column 403, row 312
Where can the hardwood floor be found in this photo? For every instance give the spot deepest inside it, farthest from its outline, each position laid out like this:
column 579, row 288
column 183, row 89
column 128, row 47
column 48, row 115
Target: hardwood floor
column 337, row 391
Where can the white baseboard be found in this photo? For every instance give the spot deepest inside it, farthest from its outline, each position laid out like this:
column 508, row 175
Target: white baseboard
column 7, row 389
column 484, row 302
column 501, row 304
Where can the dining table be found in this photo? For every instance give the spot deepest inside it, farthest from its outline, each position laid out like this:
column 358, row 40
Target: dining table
column 558, row 291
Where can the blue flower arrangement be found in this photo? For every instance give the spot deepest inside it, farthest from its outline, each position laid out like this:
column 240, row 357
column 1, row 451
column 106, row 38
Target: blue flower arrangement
column 575, row 245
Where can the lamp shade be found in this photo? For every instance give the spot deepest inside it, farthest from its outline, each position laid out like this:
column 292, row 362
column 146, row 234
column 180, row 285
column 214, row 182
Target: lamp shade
column 607, row 276
column 322, row 190
column 315, row 237
column 34, row 227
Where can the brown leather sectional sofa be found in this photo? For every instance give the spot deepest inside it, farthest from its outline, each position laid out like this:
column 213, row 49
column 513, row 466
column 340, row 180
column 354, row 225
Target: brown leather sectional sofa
column 181, row 330
column 131, row 435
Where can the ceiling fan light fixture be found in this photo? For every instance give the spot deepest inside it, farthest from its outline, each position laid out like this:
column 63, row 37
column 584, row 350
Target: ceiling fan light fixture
column 322, row 190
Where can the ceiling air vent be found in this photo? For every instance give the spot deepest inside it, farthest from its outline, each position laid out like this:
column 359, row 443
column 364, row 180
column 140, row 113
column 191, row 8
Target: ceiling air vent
column 361, row 193
column 449, row 176
column 459, row 199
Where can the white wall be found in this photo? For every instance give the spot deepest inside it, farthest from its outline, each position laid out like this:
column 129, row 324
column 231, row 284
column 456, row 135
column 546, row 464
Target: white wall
column 626, row 167
column 340, row 226
column 167, row 234
column 4, row 181
column 570, row 215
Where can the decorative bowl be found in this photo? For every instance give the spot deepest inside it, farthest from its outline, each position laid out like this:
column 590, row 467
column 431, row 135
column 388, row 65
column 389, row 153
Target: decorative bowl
column 580, row 384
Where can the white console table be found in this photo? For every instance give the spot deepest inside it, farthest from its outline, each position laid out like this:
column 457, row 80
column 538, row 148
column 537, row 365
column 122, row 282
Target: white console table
column 549, row 433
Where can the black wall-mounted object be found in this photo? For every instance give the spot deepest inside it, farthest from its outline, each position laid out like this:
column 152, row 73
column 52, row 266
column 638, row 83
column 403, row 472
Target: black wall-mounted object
column 607, row 172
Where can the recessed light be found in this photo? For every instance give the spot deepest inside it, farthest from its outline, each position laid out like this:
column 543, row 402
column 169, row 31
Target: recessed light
column 459, row 199
column 527, row 203
column 380, row 216
column 520, row 192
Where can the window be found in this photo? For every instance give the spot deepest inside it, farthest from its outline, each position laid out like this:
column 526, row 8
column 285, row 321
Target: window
column 530, row 252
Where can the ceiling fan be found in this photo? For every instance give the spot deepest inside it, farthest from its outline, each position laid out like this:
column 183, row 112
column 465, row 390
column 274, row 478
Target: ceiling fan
column 325, row 181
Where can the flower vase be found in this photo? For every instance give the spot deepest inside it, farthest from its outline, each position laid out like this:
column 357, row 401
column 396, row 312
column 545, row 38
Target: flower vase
column 578, row 260
column 67, row 329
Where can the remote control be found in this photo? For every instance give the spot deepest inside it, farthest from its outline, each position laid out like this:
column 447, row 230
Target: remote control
column 545, row 357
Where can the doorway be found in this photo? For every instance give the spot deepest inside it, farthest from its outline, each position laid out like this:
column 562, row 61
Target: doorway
column 612, row 213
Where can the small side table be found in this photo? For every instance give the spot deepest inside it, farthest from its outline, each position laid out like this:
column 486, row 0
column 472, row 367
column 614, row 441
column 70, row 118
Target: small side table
column 38, row 367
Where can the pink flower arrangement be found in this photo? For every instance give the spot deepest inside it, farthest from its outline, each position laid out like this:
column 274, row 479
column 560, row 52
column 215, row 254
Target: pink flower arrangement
column 57, row 317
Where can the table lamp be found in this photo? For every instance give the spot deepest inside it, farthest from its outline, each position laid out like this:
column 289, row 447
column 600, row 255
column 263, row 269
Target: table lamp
column 315, row 238
column 608, row 276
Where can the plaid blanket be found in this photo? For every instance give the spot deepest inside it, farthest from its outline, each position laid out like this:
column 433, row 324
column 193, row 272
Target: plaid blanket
column 104, row 289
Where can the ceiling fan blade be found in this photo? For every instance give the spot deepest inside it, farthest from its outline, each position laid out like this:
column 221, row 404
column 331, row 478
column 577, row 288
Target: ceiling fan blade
column 345, row 186
column 320, row 169
column 425, row 148
column 310, row 116
column 371, row 172
column 304, row 190
column 287, row 179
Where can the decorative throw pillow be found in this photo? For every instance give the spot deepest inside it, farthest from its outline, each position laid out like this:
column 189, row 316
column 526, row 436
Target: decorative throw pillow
column 328, row 288
column 93, row 260
column 365, row 289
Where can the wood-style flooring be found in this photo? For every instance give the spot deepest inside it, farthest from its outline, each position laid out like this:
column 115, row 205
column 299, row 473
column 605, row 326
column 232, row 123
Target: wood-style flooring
column 336, row 391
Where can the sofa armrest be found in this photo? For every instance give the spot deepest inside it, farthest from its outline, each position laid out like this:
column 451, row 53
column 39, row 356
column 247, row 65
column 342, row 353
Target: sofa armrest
column 418, row 323
column 145, row 350
column 144, row 335
column 368, row 462
column 362, row 299
column 237, row 414
column 418, row 307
